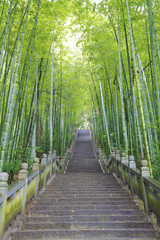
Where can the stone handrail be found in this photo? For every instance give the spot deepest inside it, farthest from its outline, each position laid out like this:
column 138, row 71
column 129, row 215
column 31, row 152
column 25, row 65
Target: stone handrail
column 146, row 188
column 14, row 199
column 139, row 182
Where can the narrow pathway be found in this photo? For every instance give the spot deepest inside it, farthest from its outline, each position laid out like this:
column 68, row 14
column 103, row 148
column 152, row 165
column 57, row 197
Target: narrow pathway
column 85, row 204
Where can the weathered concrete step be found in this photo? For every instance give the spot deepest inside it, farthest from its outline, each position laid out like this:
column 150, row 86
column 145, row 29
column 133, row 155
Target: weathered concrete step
column 88, row 199
column 95, row 176
column 83, row 212
column 87, row 181
column 78, row 175
column 110, row 197
column 84, row 207
column 95, row 179
column 83, row 192
column 84, row 196
column 78, row 183
column 84, row 188
column 130, row 233
column 85, row 185
column 78, row 170
column 86, row 218
column 97, row 238
column 90, row 225
column 71, row 194
column 52, row 202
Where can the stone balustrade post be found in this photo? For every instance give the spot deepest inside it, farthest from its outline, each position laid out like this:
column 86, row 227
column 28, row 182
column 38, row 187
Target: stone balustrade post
column 124, row 161
column 44, row 159
column 50, row 161
column 144, row 168
column 66, row 154
column 35, row 166
column 50, row 157
column 123, row 158
column 58, row 166
column 3, row 193
column 112, row 154
column 144, row 173
column 54, row 160
column 117, row 154
column 100, row 154
column 62, row 162
column 132, row 163
column 23, row 175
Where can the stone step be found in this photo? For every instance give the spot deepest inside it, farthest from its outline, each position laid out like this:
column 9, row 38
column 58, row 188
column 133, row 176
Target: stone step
column 91, row 202
column 90, row 225
column 84, row 192
column 112, row 196
column 86, row 218
column 86, row 199
column 84, row 207
column 86, row 185
column 95, row 176
column 83, row 212
column 46, row 234
column 90, row 181
column 85, row 196
column 84, row 188
column 97, row 238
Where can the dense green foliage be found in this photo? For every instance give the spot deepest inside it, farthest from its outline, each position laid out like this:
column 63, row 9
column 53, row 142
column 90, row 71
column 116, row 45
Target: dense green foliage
column 47, row 87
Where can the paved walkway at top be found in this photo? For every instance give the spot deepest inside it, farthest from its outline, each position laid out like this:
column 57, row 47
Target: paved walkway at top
column 85, row 204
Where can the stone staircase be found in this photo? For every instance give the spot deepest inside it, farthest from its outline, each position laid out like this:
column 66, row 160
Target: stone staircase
column 85, row 204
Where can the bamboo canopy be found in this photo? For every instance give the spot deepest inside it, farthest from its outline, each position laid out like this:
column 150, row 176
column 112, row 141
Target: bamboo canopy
column 63, row 60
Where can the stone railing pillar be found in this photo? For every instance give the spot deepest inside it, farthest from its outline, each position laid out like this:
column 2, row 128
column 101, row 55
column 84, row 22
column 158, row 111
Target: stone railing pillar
column 117, row 154
column 50, row 161
column 23, row 173
column 58, row 166
column 132, row 163
column 50, row 157
column 123, row 158
column 144, row 173
column 3, row 183
column 62, row 162
column 54, row 160
column 44, row 159
column 35, row 166
column 113, row 153
column 144, row 168
column 3, row 193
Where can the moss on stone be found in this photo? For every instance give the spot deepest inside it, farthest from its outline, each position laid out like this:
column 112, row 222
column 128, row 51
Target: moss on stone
column 31, row 190
column 13, row 207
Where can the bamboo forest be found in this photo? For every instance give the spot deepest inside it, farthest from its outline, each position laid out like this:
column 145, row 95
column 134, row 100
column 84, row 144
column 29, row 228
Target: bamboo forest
column 80, row 108
column 64, row 61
